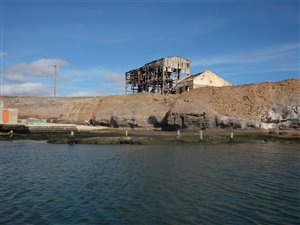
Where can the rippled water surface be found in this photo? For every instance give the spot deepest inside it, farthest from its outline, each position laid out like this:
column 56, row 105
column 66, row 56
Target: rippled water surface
column 183, row 184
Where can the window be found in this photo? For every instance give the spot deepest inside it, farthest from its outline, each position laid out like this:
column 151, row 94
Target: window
column 180, row 90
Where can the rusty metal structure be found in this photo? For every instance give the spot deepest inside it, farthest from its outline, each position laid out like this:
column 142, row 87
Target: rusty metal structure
column 158, row 76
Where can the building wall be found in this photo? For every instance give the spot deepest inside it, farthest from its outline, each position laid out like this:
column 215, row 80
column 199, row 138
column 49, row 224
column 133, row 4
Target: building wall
column 10, row 116
column 13, row 116
column 208, row 78
column 184, row 85
column 177, row 62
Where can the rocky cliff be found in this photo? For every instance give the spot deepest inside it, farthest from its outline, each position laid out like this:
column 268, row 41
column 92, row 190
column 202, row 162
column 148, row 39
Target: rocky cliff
column 262, row 105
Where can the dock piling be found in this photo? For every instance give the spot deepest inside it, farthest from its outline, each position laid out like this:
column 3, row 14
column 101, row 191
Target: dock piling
column 200, row 135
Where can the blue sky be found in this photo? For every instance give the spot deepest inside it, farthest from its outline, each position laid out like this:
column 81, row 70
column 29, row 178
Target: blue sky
column 95, row 42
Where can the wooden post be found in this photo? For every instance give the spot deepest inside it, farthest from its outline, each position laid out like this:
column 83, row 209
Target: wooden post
column 178, row 136
column 72, row 135
column 201, row 135
column 11, row 133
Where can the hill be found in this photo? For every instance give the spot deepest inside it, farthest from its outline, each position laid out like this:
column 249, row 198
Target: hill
column 261, row 105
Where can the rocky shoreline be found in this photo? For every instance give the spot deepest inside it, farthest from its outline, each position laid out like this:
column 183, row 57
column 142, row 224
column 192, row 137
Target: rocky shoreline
column 140, row 136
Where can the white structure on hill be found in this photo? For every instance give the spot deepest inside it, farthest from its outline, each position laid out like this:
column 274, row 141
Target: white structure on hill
column 205, row 78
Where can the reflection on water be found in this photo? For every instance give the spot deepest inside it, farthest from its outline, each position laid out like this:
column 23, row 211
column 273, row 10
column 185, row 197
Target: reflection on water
column 183, row 184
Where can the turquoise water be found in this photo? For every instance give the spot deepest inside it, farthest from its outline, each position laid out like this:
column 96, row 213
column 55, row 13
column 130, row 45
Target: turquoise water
column 179, row 184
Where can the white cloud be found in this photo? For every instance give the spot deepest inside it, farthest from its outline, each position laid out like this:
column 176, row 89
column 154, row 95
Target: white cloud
column 92, row 81
column 91, row 93
column 115, row 78
column 26, row 89
column 83, row 93
column 19, row 78
column 86, row 73
column 38, row 68
column 3, row 54
column 253, row 56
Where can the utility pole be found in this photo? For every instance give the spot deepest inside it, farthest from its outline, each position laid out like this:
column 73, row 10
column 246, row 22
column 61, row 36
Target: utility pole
column 54, row 94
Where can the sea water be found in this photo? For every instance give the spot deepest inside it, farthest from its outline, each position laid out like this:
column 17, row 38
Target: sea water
column 171, row 184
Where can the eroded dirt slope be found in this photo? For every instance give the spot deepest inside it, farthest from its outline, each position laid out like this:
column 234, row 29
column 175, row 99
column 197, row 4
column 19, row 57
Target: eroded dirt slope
column 252, row 105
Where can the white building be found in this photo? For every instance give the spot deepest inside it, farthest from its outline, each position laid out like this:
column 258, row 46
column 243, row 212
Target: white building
column 205, row 78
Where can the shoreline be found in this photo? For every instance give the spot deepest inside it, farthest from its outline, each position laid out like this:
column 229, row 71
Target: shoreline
column 143, row 136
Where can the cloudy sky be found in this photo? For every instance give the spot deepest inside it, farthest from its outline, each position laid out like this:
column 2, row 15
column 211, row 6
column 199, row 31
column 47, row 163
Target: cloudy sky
column 93, row 43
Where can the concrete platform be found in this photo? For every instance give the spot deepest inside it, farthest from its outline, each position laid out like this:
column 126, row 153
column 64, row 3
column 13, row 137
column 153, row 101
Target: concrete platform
column 51, row 127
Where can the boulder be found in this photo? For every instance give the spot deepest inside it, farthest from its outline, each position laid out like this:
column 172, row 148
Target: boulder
column 251, row 123
column 117, row 121
column 188, row 120
column 227, row 122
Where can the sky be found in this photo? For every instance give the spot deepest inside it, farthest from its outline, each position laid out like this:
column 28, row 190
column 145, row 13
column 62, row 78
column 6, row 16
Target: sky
column 93, row 43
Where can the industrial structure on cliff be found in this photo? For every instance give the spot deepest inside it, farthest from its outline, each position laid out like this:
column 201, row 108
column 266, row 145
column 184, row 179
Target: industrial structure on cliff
column 159, row 76
column 170, row 75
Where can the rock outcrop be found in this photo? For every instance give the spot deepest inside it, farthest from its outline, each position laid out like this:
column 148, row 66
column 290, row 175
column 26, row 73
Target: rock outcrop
column 190, row 113
column 136, row 110
column 263, row 105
